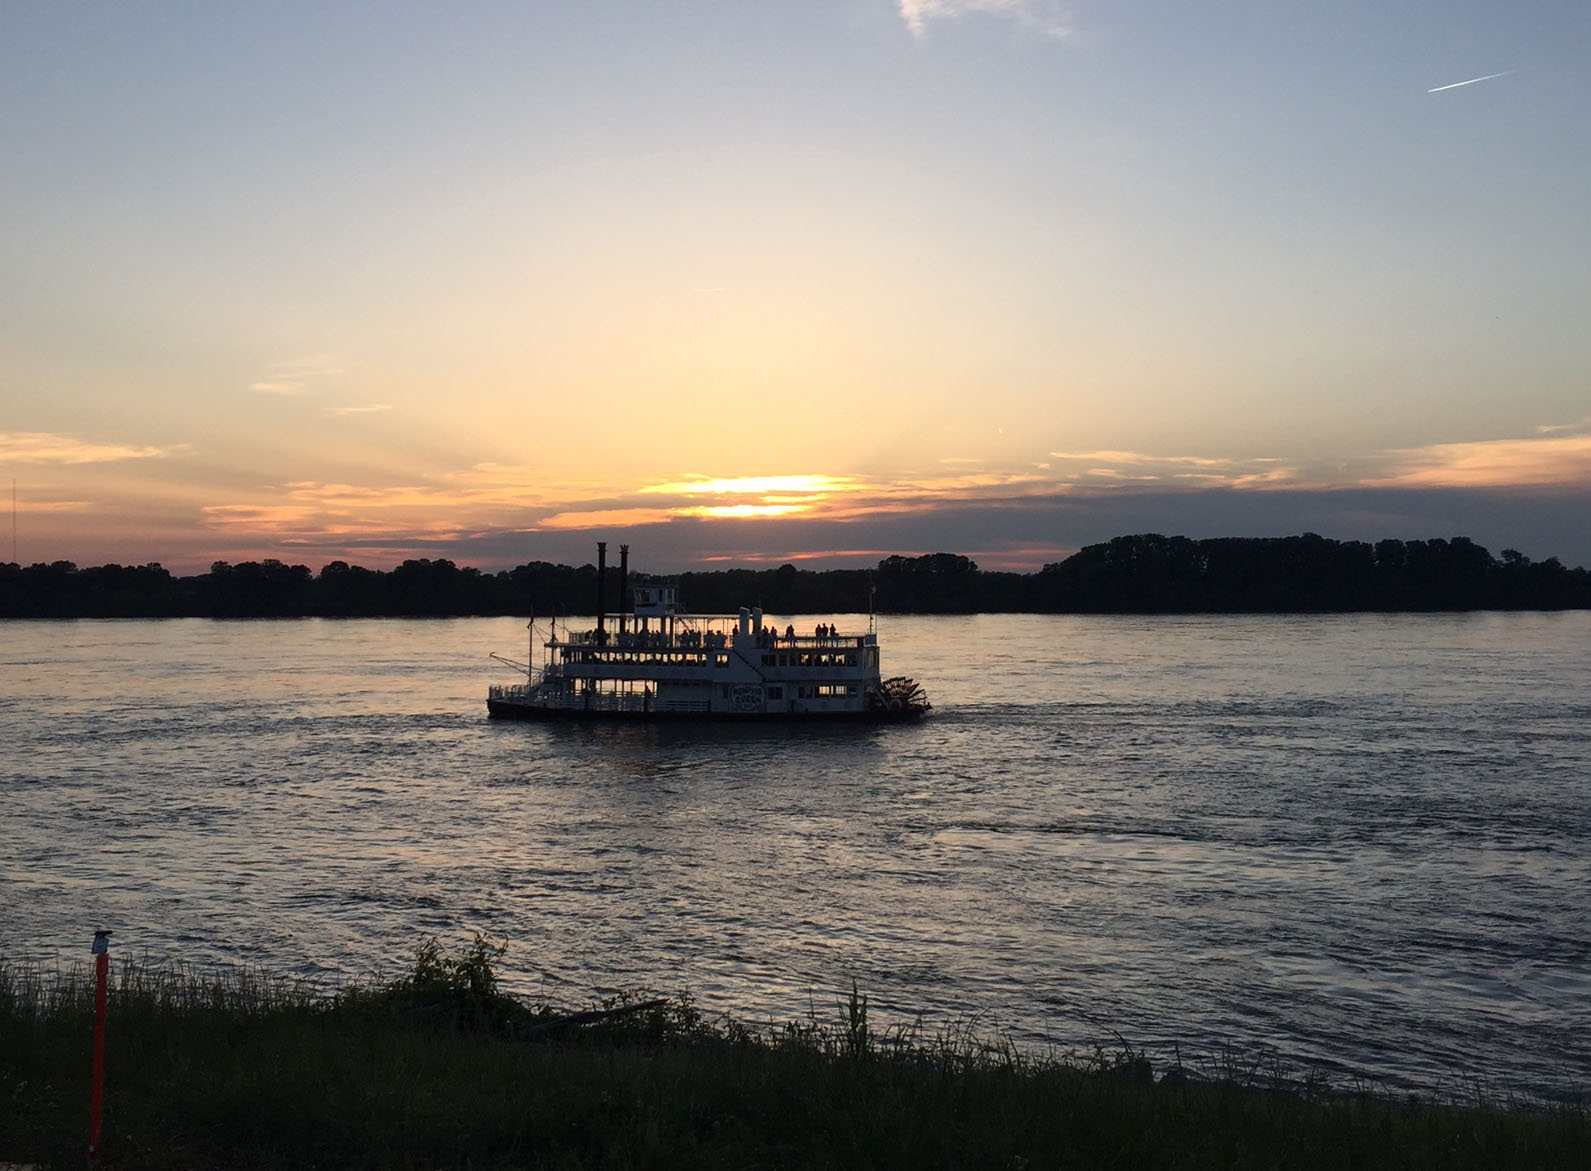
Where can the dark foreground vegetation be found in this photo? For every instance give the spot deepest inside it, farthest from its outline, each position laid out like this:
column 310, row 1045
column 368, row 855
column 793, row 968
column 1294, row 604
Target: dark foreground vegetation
column 438, row 1069
column 1146, row 574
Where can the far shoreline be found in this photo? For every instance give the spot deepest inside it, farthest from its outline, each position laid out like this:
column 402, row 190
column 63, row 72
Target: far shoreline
column 1146, row 574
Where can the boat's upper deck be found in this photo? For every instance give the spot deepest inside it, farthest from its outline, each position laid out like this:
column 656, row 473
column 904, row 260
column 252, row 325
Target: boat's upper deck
column 697, row 639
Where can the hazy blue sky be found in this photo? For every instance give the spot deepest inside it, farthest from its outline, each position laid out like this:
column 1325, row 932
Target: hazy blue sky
column 762, row 280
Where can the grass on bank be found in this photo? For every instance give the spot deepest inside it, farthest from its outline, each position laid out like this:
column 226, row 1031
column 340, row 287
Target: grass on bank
column 439, row 1069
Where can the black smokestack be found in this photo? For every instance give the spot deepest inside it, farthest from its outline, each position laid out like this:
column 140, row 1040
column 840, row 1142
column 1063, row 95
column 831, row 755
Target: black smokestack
column 624, row 585
column 602, row 572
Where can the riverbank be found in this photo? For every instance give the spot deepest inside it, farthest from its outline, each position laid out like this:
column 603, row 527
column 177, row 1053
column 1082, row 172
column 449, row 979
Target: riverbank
column 438, row 1069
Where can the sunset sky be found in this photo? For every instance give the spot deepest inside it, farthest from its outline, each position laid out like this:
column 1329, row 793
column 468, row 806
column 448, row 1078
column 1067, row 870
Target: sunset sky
column 755, row 281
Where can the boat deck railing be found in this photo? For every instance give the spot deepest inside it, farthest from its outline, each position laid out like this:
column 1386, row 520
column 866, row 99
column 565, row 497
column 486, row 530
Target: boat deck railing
column 690, row 640
column 509, row 691
column 593, row 702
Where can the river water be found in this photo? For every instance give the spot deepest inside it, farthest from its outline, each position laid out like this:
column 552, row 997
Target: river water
column 1358, row 844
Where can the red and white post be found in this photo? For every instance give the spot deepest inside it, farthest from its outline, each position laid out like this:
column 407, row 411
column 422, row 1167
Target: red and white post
column 96, row 1097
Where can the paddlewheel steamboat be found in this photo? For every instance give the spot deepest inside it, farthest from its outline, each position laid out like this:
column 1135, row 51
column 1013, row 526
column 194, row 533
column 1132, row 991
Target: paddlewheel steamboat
column 655, row 660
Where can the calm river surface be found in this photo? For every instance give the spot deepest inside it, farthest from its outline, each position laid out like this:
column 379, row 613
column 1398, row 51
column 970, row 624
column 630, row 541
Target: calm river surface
column 1359, row 843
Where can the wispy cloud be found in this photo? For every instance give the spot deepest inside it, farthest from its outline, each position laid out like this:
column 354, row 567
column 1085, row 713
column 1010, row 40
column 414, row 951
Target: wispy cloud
column 39, row 447
column 314, row 521
column 1082, row 468
column 296, row 376
column 521, row 484
column 274, row 519
column 1578, row 427
column 487, row 495
column 360, row 409
column 305, row 509
column 1550, row 460
column 1556, row 455
column 53, row 506
column 332, row 495
column 612, row 517
column 1048, row 17
column 750, row 485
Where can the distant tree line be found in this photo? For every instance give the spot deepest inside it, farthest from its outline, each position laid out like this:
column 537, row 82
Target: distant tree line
column 1145, row 574
column 1153, row 574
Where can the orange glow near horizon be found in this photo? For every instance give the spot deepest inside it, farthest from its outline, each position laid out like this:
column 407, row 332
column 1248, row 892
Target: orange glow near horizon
column 100, row 495
column 741, row 511
column 808, row 485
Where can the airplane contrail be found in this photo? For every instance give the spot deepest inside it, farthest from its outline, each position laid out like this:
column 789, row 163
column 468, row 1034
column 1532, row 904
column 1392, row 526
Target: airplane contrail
column 1471, row 81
